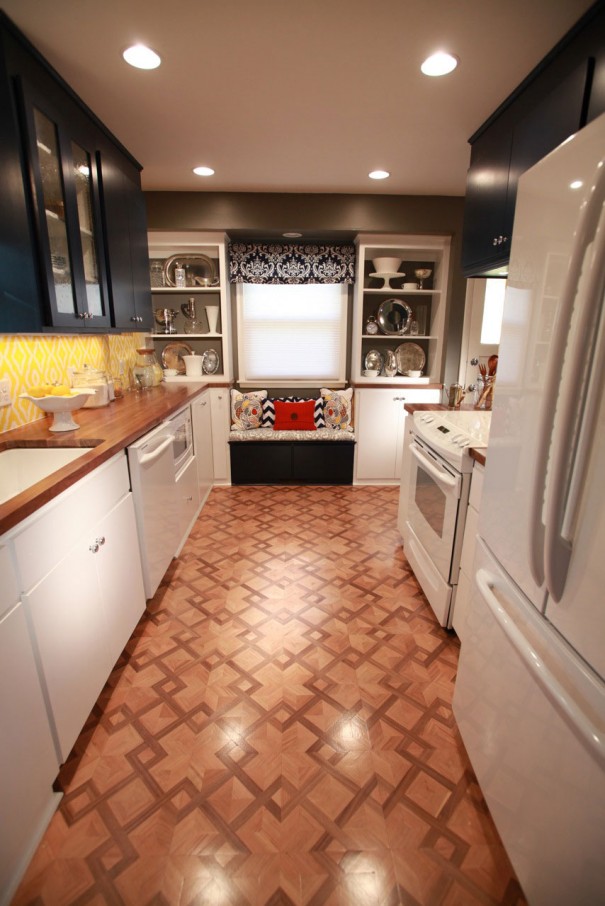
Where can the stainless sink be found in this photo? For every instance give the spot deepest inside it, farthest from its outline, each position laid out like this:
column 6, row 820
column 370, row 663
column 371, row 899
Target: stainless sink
column 22, row 467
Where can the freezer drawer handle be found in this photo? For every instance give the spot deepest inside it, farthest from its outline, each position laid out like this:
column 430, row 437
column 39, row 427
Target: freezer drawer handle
column 150, row 457
column 544, row 665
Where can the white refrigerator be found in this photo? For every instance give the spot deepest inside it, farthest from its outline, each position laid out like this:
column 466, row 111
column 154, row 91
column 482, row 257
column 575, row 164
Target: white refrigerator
column 530, row 691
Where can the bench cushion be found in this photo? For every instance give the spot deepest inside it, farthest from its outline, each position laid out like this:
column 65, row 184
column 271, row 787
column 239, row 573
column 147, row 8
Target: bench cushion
column 268, row 434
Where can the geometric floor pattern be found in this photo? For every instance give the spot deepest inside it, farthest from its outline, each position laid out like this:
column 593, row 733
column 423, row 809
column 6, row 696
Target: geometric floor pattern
column 279, row 729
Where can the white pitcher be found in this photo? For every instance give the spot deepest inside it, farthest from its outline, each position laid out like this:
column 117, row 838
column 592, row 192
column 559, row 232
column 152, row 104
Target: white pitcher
column 193, row 365
column 212, row 315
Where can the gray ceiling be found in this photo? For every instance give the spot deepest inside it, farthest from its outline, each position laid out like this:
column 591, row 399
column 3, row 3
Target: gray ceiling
column 307, row 97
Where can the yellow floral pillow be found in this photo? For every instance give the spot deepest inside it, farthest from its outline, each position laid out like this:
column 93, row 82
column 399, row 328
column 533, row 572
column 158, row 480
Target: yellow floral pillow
column 338, row 409
column 247, row 409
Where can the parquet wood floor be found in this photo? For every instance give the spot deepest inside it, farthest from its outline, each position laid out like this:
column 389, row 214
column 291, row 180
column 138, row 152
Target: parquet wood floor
column 278, row 730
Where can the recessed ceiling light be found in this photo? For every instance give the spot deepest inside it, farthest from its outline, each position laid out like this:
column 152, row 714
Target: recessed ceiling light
column 203, row 171
column 576, row 184
column 439, row 64
column 291, row 235
column 379, row 174
column 142, row 57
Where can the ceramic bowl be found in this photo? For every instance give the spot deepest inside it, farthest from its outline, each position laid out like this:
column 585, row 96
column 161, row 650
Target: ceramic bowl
column 371, row 372
column 414, row 374
column 386, row 265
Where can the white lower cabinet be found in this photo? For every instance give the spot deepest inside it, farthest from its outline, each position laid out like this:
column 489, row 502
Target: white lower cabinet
column 379, row 428
column 463, row 590
column 221, row 426
column 402, row 510
column 84, row 609
column 28, row 759
column 202, row 441
column 120, row 578
column 188, row 498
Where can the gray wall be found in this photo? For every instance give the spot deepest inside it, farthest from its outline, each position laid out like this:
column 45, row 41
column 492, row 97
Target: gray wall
column 324, row 217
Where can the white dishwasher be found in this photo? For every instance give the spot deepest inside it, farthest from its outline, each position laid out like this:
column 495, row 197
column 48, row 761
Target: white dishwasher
column 151, row 460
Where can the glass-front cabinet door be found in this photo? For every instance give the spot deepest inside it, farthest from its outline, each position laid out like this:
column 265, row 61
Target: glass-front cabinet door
column 64, row 181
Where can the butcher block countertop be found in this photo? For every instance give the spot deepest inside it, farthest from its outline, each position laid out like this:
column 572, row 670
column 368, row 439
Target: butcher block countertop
column 106, row 430
column 477, row 455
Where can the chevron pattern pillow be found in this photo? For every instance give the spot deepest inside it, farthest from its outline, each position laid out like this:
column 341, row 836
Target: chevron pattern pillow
column 269, row 410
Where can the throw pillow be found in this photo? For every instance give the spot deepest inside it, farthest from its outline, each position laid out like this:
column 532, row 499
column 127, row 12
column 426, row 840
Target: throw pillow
column 294, row 416
column 269, row 410
column 338, row 408
column 247, row 410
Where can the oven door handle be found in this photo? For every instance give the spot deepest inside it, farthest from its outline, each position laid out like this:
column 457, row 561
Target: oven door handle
column 440, row 475
column 155, row 454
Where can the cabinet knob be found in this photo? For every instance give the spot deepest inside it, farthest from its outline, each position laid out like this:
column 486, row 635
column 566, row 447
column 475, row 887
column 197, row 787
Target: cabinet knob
column 134, row 317
column 81, row 315
column 189, row 499
column 100, row 540
column 399, row 399
column 94, row 548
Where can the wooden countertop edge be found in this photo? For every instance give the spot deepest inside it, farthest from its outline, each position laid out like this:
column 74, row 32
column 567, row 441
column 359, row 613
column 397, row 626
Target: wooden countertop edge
column 106, row 430
column 477, row 455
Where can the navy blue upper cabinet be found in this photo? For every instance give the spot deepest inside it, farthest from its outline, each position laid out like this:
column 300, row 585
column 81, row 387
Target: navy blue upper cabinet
column 73, row 254
column 125, row 222
column 559, row 97
column 64, row 181
column 498, row 158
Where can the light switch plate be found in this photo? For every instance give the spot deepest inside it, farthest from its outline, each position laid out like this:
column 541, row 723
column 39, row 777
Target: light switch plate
column 5, row 392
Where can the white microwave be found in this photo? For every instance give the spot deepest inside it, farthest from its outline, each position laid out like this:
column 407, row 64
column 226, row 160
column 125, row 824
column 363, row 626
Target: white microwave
column 182, row 438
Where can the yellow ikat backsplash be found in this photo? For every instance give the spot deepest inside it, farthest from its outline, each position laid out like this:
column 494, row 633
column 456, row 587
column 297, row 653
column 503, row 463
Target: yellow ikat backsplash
column 31, row 360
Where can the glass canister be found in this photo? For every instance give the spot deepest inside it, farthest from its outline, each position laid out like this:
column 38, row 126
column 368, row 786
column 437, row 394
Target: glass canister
column 143, row 373
column 93, row 379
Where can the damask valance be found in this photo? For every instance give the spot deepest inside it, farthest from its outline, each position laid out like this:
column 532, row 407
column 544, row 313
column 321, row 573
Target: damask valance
column 254, row 262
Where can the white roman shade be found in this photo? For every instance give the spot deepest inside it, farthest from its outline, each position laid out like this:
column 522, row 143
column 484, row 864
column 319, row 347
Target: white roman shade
column 292, row 333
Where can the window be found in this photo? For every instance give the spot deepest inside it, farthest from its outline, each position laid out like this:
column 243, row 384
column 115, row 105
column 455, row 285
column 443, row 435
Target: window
column 292, row 333
column 493, row 308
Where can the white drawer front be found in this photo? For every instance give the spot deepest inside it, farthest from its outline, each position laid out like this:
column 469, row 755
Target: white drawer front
column 50, row 533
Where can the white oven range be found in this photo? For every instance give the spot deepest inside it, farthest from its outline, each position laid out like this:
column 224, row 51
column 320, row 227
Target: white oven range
column 440, row 467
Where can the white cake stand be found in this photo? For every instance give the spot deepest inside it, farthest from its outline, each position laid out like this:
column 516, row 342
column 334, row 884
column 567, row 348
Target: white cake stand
column 387, row 277
column 61, row 407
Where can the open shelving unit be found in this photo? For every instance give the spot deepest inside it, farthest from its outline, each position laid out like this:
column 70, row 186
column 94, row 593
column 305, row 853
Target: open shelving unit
column 165, row 245
column 429, row 304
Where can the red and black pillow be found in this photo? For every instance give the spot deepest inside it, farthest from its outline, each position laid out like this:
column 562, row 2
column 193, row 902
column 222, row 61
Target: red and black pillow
column 269, row 412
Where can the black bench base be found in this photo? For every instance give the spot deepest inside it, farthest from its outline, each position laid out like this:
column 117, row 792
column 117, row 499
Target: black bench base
column 292, row 462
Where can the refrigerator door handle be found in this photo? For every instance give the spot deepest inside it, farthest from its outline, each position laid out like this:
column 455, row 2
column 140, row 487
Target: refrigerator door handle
column 581, row 389
column 569, row 406
column 545, row 663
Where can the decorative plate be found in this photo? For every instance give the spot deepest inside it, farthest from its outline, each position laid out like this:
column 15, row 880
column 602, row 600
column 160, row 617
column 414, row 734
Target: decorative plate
column 410, row 357
column 210, row 361
column 172, row 356
column 394, row 316
column 374, row 359
column 390, row 363
column 200, row 270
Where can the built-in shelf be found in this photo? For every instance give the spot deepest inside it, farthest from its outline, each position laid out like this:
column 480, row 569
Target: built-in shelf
column 185, row 289
column 428, row 304
column 167, row 245
column 185, row 336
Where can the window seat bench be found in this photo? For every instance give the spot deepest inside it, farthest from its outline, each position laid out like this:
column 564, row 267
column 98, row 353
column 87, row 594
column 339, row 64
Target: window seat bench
column 265, row 456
